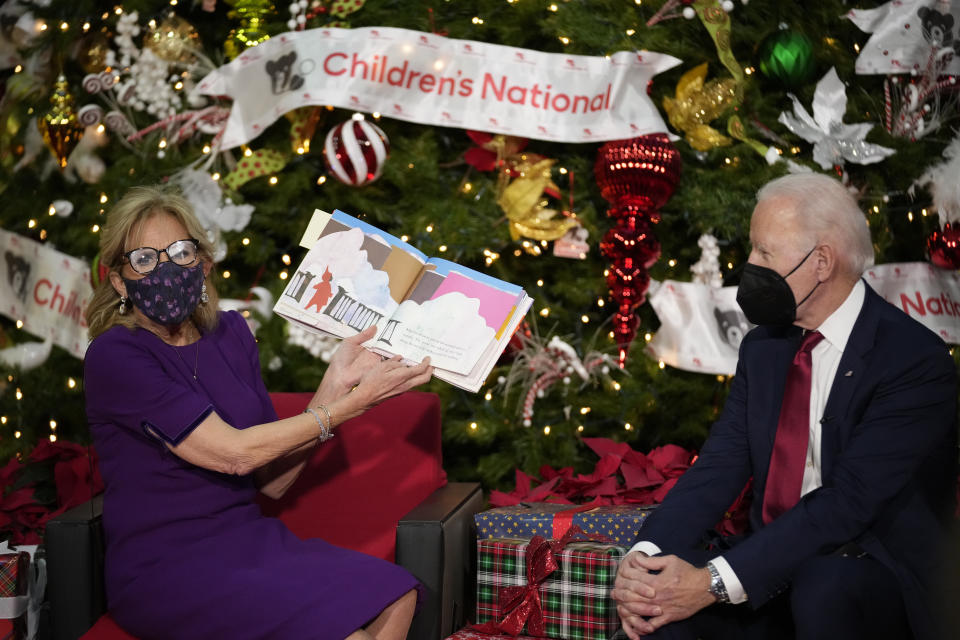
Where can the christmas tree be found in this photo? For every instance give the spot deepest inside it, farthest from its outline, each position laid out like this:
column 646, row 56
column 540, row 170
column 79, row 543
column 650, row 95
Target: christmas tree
column 95, row 101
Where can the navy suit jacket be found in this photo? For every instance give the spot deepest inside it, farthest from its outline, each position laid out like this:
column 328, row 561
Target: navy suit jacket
column 889, row 456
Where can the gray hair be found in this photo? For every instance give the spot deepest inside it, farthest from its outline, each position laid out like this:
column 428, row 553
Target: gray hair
column 826, row 209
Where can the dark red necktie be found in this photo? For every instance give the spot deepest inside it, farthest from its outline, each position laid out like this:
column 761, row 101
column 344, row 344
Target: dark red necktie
column 785, row 476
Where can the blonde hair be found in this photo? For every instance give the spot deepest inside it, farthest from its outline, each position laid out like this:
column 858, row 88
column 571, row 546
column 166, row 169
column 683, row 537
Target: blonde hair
column 124, row 221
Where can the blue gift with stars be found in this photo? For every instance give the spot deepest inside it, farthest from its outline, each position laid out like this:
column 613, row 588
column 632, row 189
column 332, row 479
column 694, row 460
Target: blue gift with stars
column 617, row 524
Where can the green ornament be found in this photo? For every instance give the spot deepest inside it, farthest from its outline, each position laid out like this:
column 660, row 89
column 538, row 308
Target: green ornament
column 787, row 56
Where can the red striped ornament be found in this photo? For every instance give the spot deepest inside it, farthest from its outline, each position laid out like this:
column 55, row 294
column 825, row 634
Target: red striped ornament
column 355, row 151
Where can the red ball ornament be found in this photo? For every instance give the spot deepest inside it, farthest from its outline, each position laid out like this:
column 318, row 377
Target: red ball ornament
column 944, row 247
column 637, row 177
column 641, row 171
column 355, row 151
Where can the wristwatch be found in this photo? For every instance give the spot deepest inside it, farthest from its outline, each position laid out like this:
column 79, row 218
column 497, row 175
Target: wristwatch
column 717, row 588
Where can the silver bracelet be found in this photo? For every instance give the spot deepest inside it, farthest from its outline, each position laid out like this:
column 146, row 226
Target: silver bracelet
column 325, row 433
column 324, row 408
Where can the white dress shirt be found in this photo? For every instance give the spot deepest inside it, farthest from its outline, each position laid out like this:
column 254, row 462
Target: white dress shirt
column 826, row 357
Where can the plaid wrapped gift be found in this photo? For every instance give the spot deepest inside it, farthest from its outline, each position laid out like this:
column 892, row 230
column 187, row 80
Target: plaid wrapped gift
column 575, row 599
column 14, row 586
column 470, row 634
column 616, row 523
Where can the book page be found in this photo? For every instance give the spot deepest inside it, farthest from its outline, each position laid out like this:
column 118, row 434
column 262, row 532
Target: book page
column 449, row 317
column 351, row 278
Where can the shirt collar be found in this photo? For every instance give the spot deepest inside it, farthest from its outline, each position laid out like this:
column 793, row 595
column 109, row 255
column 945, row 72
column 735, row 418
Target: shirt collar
column 837, row 327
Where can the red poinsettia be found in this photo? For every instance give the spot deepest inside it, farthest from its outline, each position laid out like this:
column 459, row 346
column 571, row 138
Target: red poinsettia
column 621, row 476
column 75, row 478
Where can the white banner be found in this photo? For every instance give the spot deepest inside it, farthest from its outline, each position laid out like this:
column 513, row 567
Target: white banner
column 432, row 80
column 924, row 292
column 46, row 289
column 701, row 327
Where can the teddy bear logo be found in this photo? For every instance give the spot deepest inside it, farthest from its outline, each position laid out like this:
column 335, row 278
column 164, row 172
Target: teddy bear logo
column 18, row 271
column 937, row 28
column 732, row 326
column 282, row 77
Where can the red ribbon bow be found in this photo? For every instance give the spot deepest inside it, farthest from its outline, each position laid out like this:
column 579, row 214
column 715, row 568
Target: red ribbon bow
column 521, row 605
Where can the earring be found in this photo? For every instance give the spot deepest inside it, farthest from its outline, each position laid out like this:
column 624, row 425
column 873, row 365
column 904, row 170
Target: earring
column 204, row 298
column 123, row 305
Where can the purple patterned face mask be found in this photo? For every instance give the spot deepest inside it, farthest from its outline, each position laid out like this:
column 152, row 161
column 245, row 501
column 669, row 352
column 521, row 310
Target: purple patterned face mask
column 168, row 294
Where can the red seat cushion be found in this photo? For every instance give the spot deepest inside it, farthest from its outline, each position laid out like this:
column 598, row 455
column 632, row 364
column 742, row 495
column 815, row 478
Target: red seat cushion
column 355, row 487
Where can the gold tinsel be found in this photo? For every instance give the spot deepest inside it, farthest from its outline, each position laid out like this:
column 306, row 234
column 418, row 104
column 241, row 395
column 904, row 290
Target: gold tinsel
column 697, row 104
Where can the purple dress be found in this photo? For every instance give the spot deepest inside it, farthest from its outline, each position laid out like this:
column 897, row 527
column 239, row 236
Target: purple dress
column 189, row 554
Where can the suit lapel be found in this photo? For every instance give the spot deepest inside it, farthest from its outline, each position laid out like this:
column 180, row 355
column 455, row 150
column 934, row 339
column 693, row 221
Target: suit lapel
column 849, row 376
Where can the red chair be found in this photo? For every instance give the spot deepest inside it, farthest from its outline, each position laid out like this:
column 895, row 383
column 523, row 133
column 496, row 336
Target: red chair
column 352, row 492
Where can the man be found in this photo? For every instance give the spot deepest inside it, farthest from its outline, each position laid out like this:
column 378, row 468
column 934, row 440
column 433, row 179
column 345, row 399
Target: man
column 849, row 509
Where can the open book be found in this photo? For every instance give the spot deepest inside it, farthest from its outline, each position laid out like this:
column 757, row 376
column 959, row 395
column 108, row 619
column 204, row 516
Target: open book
column 355, row 275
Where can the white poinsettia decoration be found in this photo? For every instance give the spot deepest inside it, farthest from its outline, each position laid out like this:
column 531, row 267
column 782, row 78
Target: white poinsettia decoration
column 216, row 213
column 834, row 142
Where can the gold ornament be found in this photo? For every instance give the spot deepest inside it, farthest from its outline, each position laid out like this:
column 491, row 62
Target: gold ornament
column 92, row 54
column 252, row 30
column 59, row 126
column 697, row 104
column 173, row 40
column 524, row 202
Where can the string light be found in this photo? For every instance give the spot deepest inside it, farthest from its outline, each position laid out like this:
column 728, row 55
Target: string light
column 226, row 273
column 473, row 426
column 616, row 385
column 909, row 216
column 661, row 364
column 600, row 302
column 71, row 383
column 429, row 228
column 18, row 68
column 545, row 312
column 647, row 337
column 162, row 144
column 546, row 430
column 488, row 396
column 285, row 259
column 19, row 394
column 245, row 241
column 273, row 180
column 52, row 210
column 584, row 319
column 410, row 166
column 42, row 26
column 539, row 283
column 284, row 275
column 95, row 228
column 376, row 115
column 16, row 434
column 442, row 248
column 3, row 419
column 53, row 437
column 749, row 71
column 477, row 20
column 53, row 425
column 580, row 429
column 564, row 39
column 584, row 410
column 64, row 26
column 672, row 263
column 630, row 32
column 553, row 7
column 467, row 187
column 627, row 426
column 19, row 326
column 247, row 152
column 405, row 238
column 31, row 223
column 321, row 179
column 86, row 26
column 103, row 198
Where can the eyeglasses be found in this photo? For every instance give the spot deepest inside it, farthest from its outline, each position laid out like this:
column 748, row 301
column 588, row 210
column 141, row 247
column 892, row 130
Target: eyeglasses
column 145, row 259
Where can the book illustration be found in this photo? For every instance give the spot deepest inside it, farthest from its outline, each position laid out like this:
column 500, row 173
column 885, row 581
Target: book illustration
column 355, row 275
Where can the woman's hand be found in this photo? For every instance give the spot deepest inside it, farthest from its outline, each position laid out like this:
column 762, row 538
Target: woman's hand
column 350, row 361
column 358, row 379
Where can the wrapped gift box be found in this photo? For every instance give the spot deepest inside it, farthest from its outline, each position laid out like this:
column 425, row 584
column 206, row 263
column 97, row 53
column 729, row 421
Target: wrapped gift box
column 617, row 524
column 14, row 585
column 575, row 599
column 470, row 634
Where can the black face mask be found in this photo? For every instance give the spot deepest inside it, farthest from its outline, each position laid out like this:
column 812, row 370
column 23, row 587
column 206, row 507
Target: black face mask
column 765, row 296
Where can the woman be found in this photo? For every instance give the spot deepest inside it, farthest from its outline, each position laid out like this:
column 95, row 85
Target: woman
column 186, row 435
